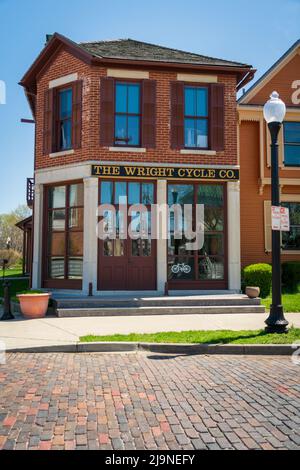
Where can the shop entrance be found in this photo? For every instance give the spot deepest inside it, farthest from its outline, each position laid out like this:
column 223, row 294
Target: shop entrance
column 206, row 267
column 126, row 264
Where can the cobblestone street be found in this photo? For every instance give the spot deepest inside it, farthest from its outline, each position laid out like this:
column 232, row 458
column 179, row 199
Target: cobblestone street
column 148, row 401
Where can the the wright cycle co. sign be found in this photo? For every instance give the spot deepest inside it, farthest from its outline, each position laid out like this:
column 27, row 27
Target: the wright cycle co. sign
column 170, row 173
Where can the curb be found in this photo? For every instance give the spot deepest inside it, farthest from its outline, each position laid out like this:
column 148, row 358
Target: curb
column 165, row 348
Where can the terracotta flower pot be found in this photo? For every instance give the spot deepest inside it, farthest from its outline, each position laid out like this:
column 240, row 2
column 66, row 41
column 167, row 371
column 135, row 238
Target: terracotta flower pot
column 34, row 305
column 252, row 292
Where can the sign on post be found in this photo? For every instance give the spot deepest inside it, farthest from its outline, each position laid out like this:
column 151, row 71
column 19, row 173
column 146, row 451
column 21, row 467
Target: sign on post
column 285, row 219
column 280, row 218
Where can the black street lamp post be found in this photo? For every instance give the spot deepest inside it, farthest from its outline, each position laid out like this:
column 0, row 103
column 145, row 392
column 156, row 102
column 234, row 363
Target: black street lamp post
column 274, row 112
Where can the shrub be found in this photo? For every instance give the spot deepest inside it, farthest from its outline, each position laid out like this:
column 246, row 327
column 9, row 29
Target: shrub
column 291, row 275
column 11, row 255
column 258, row 275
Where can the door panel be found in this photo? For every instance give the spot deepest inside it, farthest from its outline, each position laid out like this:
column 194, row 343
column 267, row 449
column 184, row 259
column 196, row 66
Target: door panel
column 128, row 264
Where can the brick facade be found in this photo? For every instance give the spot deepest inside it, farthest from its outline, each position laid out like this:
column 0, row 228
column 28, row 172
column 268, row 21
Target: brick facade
column 64, row 64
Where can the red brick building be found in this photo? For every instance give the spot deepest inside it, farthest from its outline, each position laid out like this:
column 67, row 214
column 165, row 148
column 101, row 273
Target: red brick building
column 255, row 161
column 127, row 119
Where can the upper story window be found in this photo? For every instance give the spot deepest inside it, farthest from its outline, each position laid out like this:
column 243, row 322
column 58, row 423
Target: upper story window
column 291, row 143
column 195, row 117
column 64, row 119
column 127, row 114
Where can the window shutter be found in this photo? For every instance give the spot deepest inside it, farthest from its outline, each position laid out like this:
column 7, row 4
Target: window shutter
column 268, row 226
column 48, row 132
column 149, row 113
column 177, row 115
column 217, row 116
column 76, row 114
column 107, row 112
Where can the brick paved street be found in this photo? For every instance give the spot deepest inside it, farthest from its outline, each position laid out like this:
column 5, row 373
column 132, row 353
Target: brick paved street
column 137, row 401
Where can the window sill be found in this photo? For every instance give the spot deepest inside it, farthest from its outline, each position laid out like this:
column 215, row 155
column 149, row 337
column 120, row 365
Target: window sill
column 290, row 252
column 198, row 152
column 62, row 153
column 127, row 149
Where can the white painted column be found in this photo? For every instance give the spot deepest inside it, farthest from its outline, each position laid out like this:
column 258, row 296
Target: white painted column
column 161, row 243
column 37, row 237
column 90, row 245
column 234, row 239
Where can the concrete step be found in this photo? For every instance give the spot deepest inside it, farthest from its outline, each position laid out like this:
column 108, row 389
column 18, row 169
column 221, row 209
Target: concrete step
column 163, row 301
column 159, row 310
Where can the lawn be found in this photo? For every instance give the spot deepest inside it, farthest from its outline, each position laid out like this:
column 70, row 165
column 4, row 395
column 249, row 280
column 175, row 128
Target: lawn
column 204, row 337
column 290, row 302
column 12, row 272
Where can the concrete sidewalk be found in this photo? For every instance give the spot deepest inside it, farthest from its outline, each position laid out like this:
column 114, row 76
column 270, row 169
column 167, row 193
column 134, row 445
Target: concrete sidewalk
column 55, row 331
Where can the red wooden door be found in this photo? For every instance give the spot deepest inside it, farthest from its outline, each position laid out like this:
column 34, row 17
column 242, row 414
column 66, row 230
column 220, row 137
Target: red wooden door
column 126, row 263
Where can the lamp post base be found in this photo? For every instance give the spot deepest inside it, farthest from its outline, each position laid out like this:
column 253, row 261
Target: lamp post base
column 276, row 323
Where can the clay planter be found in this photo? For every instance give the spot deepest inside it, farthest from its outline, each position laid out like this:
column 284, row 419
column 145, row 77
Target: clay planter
column 34, row 305
column 252, row 292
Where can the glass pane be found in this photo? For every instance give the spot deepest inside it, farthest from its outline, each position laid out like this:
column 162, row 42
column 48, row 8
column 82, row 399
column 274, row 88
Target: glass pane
column 211, row 267
column 76, row 219
column 76, row 243
column 189, row 133
column 181, row 268
column 119, row 247
column 180, row 194
column 291, row 239
column 201, row 102
column 133, row 130
column 106, row 192
column 56, row 268
column 76, row 194
column 65, row 134
column 121, row 130
column 135, row 223
column 294, row 208
column 57, row 220
column 65, row 98
column 120, row 193
column 108, row 222
column 213, row 245
column 292, row 155
column 56, row 245
column 108, row 247
column 135, row 247
column 210, row 195
column 134, row 99
column 57, row 197
column 178, row 246
column 75, row 268
column 121, row 98
column 146, row 247
column 134, row 193
column 292, row 132
column 201, row 133
column 189, row 101
column 147, row 193
column 213, row 219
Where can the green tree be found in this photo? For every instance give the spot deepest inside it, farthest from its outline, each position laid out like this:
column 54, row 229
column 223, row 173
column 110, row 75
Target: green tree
column 8, row 228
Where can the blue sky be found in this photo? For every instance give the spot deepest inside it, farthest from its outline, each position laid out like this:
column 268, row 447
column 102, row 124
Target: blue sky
column 256, row 32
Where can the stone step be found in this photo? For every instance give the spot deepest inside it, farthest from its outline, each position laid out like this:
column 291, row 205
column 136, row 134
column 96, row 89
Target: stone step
column 159, row 310
column 166, row 301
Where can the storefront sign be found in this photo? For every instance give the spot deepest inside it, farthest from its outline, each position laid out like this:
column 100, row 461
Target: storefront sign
column 280, row 218
column 182, row 173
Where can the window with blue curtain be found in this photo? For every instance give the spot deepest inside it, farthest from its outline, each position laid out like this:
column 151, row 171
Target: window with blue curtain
column 196, row 117
column 65, row 119
column 127, row 114
column 291, row 132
